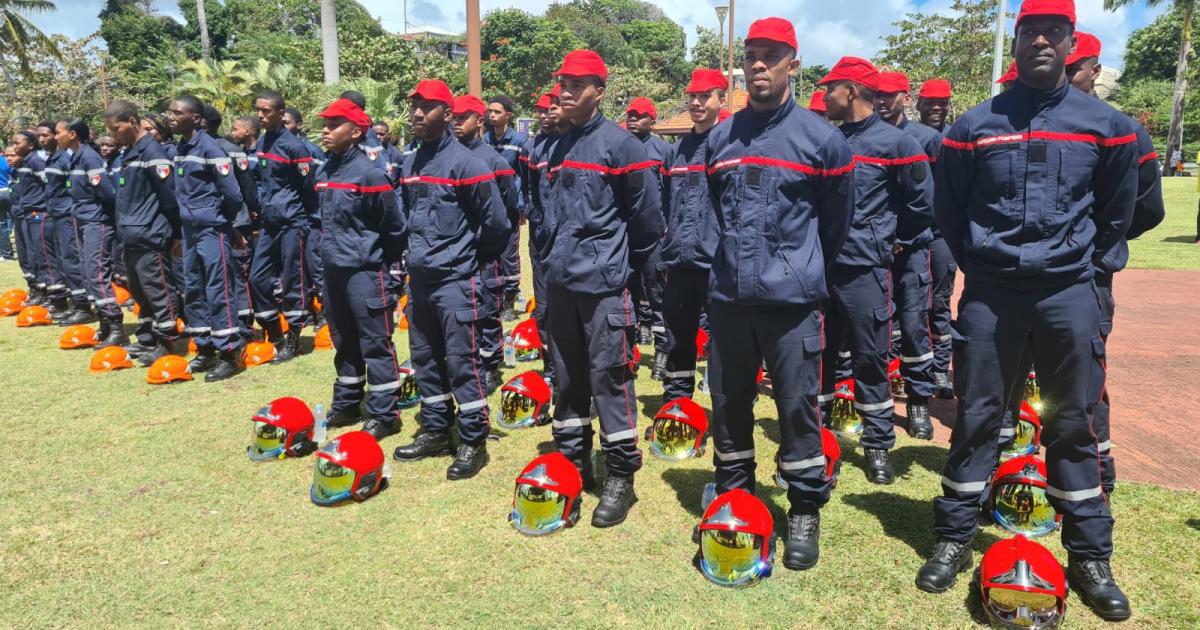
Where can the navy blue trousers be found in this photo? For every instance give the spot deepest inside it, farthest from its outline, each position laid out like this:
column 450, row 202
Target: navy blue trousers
column 360, row 325
column 67, row 248
column 279, row 254
column 510, row 264
column 944, row 270
column 26, row 252
column 96, row 263
column 646, row 289
column 685, row 294
column 491, row 332
column 153, row 284
column 212, row 284
column 912, row 284
column 541, row 315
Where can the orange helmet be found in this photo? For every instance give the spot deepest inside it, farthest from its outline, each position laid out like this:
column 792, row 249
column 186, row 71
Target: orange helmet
column 179, row 325
column 14, row 293
column 284, row 326
column 77, row 337
column 317, row 305
column 530, row 305
column 258, row 353
column 137, row 310
column 323, row 340
column 169, row 369
column 11, row 304
column 192, row 347
column 108, row 359
column 121, row 294
column 33, row 316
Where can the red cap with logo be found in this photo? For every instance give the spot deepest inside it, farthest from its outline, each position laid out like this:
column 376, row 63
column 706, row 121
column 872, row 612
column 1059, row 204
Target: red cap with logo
column 705, row 79
column 556, row 91
column 774, row 29
column 582, row 63
column 853, row 69
column 433, row 90
column 468, row 104
column 894, row 82
column 543, row 102
column 1060, row 8
column 642, row 106
column 935, row 88
column 1086, row 45
column 817, row 102
column 345, row 108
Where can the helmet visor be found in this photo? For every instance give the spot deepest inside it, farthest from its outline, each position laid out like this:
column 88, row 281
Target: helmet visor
column 528, row 353
column 408, row 396
column 332, row 483
column 266, row 442
column 517, row 410
column 673, row 440
column 731, row 558
column 1021, row 609
column 538, row 511
column 844, row 419
column 1024, row 508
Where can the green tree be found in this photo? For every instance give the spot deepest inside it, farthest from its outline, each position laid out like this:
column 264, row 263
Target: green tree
column 17, row 34
column 626, row 84
column 520, row 51
column 222, row 84
column 707, row 52
column 1152, row 50
column 148, row 49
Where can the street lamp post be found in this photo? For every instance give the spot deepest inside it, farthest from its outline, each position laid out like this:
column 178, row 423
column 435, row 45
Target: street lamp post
column 722, row 11
column 474, row 54
column 731, row 29
column 998, row 51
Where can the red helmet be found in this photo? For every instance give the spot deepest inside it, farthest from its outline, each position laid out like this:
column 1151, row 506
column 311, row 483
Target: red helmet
column 832, row 449
column 284, row 427
column 349, row 467
column 736, row 540
column 524, row 401
column 895, row 378
column 843, row 417
column 679, row 430
column 526, row 341
column 1018, row 500
column 1022, row 585
column 1028, row 434
column 408, row 395
column 701, row 344
column 546, row 498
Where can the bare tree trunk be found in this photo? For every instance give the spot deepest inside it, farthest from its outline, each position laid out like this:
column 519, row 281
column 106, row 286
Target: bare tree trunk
column 202, row 22
column 329, row 42
column 1175, row 132
column 12, row 89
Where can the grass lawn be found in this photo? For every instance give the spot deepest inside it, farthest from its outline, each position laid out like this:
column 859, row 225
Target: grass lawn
column 135, row 505
column 1171, row 245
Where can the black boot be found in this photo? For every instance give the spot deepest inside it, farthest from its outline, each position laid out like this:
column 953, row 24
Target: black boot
column 942, row 387
column 427, row 444
column 80, row 314
column 344, row 417
column 59, row 310
column 493, row 380
column 615, row 501
column 509, row 311
column 206, row 359
column 919, row 425
column 228, row 365
column 1094, row 582
column 660, row 366
column 289, row 347
column 114, row 332
column 940, row 571
column 879, row 468
column 157, row 352
column 137, row 349
column 35, row 297
column 468, row 461
column 380, row 428
column 586, row 473
column 802, row 547
column 274, row 332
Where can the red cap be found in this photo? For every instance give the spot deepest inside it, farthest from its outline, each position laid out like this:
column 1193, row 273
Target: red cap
column 1009, row 76
column 817, row 102
column 345, row 108
column 853, row 69
column 1062, row 8
column 1086, row 45
column 894, row 82
column 935, row 88
column 468, row 104
column 583, row 63
column 705, row 79
column 543, row 102
column 642, row 106
column 773, row 29
column 723, row 113
column 433, row 90
column 556, row 91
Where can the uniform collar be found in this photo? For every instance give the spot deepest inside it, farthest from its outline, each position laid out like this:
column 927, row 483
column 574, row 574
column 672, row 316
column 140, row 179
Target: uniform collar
column 1041, row 99
column 850, row 129
column 473, row 143
column 190, row 142
column 140, row 146
column 591, row 124
column 504, row 139
column 903, row 122
column 772, row 117
column 435, row 147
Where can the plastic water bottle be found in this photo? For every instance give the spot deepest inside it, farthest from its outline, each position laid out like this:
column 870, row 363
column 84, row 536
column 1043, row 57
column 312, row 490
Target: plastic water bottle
column 320, row 424
column 510, row 353
column 708, row 496
column 387, row 469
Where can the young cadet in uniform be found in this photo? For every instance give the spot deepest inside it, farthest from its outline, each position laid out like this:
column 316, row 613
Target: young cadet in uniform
column 314, row 278
column 646, row 288
column 774, row 164
column 458, row 224
column 602, row 220
column 68, row 299
column 507, row 142
column 243, row 172
column 93, row 196
column 209, row 199
column 691, row 236
column 389, row 154
column 912, row 271
column 1035, row 191
column 893, row 207
column 284, row 199
column 363, row 232
column 28, row 208
column 148, row 221
column 469, row 112
column 536, row 184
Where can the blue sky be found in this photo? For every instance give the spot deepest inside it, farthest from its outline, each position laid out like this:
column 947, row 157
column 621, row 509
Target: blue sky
column 826, row 30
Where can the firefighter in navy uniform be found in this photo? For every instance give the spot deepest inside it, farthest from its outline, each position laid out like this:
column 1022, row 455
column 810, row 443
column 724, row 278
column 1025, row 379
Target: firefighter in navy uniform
column 912, row 271
column 28, row 204
column 779, row 165
column 68, row 299
column 602, row 221
column 209, row 196
column 147, row 218
column 285, row 198
column 893, row 206
column 536, row 184
column 507, row 142
column 691, row 235
column 1035, row 192
column 458, row 224
column 244, row 173
column 314, row 275
column 363, row 232
column 468, row 113
column 646, row 287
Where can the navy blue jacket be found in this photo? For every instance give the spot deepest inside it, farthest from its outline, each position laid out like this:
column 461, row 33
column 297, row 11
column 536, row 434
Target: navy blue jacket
column 509, row 146
column 536, row 165
column 1036, row 189
column 147, row 212
column 57, row 171
column 455, row 215
column 781, row 184
column 656, row 148
column 90, row 187
column 29, row 186
column 930, row 139
column 893, row 199
column 603, row 212
column 244, row 173
column 691, row 221
column 1148, row 210
column 205, row 184
column 284, row 165
column 362, row 226
column 506, row 178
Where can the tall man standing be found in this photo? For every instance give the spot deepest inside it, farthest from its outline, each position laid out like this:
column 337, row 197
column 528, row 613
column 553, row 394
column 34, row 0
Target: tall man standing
column 507, row 142
column 647, row 284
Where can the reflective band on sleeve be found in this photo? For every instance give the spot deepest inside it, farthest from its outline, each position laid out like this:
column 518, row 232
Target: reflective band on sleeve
column 969, row 486
column 384, row 387
column 471, row 406
column 619, row 436
column 1074, row 495
column 429, row 400
column 734, row 456
column 1104, row 446
column 567, row 423
column 928, row 356
column 811, row 462
column 887, row 404
column 351, row 380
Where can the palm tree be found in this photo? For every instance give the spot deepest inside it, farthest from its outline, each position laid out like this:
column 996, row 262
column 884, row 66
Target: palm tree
column 17, row 33
column 222, row 84
column 202, row 22
column 329, row 42
column 1187, row 9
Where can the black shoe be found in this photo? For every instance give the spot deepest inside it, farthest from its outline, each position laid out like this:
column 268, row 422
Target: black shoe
column 940, row 571
column 274, row 331
column 615, row 502
column 137, row 349
column 586, row 473
column 205, row 360
column 919, row 425
column 345, row 417
column 35, row 297
column 508, row 311
column 493, row 380
column 289, row 347
column 468, row 461
column 80, row 315
column 942, row 387
column 1093, row 580
column 426, row 444
column 660, row 366
column 645, row 335
column 380, row 428
column 147, row 359
column 225, row 367
column 879, row 468
column 802, row 547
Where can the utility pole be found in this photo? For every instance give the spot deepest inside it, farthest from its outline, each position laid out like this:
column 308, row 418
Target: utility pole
column 998, row 52
column 731, row 30
column 474, row 71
